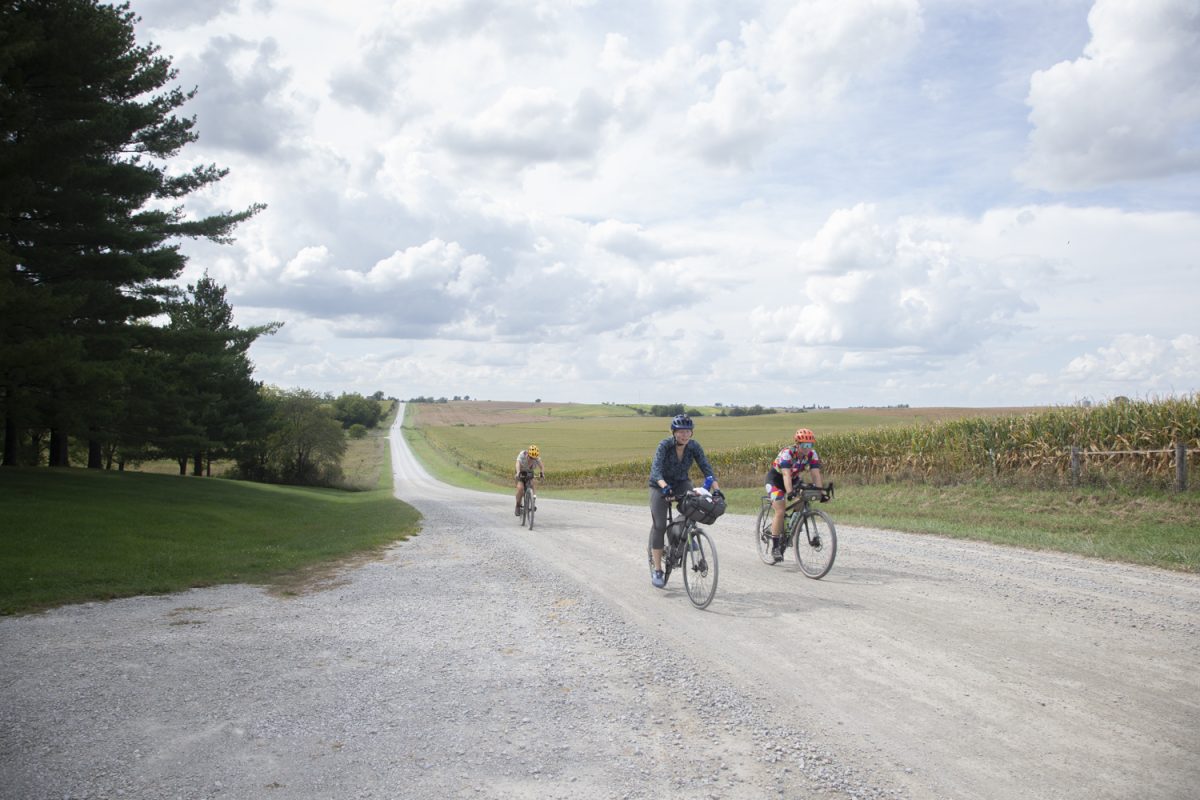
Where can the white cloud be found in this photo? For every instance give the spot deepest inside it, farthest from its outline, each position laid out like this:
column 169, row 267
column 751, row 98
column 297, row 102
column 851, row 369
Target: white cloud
column 727, row 193
column 818, row 50
column 1133, row 360
column 528, row 125
column 792, row 68
column 1128, row 108
column 896, row 285
column 245, row 105
column 160, row 14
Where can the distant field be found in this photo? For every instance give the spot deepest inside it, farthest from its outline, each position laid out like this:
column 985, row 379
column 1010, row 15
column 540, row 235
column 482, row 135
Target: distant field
column 575, row 436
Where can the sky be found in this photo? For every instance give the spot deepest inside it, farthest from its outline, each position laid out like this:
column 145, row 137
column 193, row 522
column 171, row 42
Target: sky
column 789, row 203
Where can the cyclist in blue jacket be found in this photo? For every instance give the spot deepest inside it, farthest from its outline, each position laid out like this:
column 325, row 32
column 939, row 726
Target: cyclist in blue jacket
column 669, row 478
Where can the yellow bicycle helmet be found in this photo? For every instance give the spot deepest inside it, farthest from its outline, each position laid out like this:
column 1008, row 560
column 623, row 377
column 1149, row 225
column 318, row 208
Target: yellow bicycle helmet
column 533, row 451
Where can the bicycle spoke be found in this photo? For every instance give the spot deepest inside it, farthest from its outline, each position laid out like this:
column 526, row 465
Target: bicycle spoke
column 700, row 568
column 762, row 538
column 815, row 541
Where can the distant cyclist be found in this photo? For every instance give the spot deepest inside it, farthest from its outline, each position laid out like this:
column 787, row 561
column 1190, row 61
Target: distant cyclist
column 527, row 461
column 784, row 476
column 669, row 478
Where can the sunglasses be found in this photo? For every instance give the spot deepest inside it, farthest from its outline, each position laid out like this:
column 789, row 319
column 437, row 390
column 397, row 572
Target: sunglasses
column 804, row 445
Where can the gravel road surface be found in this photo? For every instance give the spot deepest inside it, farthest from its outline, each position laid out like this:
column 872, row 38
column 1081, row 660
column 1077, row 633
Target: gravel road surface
column 483, row 660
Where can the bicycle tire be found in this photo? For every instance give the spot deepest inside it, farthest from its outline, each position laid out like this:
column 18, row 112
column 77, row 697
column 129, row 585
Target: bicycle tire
column 814, row 538
column 530, row 505
column 762, row 529
column 700, row 568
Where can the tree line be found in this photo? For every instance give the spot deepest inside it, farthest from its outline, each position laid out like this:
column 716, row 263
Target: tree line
column 104, row 359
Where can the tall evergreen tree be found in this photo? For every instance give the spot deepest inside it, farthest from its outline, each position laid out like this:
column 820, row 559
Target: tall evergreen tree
column 90, row 214
column 212, row 373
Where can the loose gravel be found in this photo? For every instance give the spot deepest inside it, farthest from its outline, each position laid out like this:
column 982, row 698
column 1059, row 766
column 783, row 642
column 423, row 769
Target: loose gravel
column 453, row 667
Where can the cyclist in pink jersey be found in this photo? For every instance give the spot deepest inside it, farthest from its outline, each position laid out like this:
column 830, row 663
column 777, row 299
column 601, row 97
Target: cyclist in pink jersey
column 784, row 476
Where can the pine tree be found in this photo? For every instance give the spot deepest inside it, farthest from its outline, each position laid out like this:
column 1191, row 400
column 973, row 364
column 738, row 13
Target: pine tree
column 90, row 212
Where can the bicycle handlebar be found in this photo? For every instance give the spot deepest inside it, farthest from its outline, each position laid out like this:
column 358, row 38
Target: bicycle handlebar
column 812, row 490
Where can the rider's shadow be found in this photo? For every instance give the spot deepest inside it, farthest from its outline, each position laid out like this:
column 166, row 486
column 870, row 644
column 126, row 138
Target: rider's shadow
column 835, row 590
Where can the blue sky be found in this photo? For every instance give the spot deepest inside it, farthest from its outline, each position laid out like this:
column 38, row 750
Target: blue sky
column 864, row 202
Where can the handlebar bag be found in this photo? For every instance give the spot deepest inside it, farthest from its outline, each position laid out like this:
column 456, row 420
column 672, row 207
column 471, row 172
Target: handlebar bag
column 702, row 508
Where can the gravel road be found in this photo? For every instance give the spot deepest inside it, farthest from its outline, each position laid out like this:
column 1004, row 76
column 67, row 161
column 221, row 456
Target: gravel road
column 483, row 660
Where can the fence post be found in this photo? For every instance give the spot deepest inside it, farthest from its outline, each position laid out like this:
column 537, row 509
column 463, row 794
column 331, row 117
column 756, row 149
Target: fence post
column 1074, row 466
column 1180, row 466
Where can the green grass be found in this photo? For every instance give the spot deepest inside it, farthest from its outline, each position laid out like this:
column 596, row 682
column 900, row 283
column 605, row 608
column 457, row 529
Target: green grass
column 73, row 535
column 1160, row 529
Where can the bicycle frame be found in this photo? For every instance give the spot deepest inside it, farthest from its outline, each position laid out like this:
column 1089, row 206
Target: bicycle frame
column 529, row 499
column 797, row 511
column 815, row 552
column 688, row 548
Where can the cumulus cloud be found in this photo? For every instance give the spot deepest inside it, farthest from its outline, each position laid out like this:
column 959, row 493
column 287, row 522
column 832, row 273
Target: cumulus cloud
column 592, row 280
column 1144, row 360
column 818, row 49
column 529, row 125
column 456, row 187
column 1128, row 108
column 869, row 285
column 244, row 102
column 162, row 14
column 793, row 68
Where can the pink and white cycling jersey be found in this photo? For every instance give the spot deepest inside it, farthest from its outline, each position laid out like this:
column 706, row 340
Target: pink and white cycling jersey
column 796, row 460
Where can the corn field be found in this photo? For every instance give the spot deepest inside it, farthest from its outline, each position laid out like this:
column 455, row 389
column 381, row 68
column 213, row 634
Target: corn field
column 1112, row 439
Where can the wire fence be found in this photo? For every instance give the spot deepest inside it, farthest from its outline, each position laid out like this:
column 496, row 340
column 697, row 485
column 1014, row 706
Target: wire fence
column 1180, row 453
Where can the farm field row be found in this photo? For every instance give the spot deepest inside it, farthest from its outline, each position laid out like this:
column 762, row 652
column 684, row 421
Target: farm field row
column 578, row 436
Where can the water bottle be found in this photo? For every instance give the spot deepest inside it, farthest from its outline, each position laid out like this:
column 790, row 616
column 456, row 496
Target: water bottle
column 708, row 482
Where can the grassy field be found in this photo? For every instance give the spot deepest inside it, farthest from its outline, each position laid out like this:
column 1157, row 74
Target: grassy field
column 573, row 436
column 1157, row 528
column 73, row 535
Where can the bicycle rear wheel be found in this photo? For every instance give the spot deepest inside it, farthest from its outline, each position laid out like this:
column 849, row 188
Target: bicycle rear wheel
column 762, row 531
column 700, row 568
column 530, row 506
column 814, row 538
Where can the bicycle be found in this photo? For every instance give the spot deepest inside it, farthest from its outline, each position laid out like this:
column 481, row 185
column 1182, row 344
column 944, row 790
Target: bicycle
column 529, row 501
column 811, row 530
column 689, row 548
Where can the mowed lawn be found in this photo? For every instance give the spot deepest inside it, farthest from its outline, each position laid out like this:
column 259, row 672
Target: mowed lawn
column 72, row 535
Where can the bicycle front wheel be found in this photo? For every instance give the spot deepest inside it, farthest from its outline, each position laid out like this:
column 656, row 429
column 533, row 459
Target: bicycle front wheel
column 814, row 538
column 762, row 532
column 700, row 568
column 530, row 506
